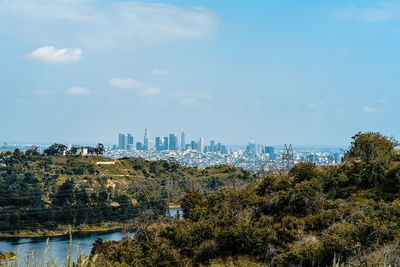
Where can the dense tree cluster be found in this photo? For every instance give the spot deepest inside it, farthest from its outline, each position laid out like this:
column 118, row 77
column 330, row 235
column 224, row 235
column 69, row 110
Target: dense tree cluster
column 39, row 192
column 60, row 149
column 309, row 216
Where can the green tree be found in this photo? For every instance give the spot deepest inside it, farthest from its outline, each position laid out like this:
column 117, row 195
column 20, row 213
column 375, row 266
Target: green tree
column 55, row 150
column 370, row 146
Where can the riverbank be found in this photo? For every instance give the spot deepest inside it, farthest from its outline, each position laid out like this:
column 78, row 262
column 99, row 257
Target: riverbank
column 64, row 231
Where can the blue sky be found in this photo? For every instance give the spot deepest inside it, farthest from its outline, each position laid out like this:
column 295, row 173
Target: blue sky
column 301, row 72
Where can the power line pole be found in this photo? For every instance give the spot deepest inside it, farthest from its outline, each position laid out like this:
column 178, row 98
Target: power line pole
column 288, row 157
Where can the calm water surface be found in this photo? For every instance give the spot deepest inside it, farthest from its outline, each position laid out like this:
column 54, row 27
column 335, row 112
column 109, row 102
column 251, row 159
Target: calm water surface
column 59, row 245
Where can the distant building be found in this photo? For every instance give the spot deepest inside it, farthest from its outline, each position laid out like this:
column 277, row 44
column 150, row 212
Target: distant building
column 193, row 145
column 122, row 141
column 212, row 146
column 182, row 141
column 146, row 140
column 173, row 142
column 159, row 145
column 218, row 148
column 201, row 145
column 166, row 143
column 251, row 148
column 130, row 139
column 269, row 150
column 139, row 146
column 150, row 145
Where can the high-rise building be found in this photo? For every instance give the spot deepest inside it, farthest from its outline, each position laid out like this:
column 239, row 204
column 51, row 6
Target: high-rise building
column 193, row 145
column 159, row 145
column 139, row 146
column 218, row 148
column 251, row 148
column 130, row 139
column 166, row 143
column 173, row 142
column 212, row 146
column 269, row 150
column 122, row 141
column 201, row 144
column 146, row 140
column 150, row 145
column 183, row 141
column 176, row 142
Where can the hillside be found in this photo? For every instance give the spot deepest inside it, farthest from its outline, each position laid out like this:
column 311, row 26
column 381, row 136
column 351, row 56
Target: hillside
column 39, row 192
column 309, row 216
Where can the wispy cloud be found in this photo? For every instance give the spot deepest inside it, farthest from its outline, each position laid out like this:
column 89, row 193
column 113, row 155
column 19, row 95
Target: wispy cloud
column 78, row 91
column 159, row 72
column 368, row 109
column 42, row 92
column 186, row 94
column 144, row 89
column 382, row 12
column 53, row 55
column 315, row 105
column 117, row 23
column 382, row 101
column 192, row 99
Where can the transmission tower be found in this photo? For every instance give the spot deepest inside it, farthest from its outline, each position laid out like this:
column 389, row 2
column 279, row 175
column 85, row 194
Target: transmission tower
column 288, row 156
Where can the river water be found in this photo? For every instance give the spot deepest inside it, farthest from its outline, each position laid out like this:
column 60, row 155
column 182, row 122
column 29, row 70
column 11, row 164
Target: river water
column 59, row 245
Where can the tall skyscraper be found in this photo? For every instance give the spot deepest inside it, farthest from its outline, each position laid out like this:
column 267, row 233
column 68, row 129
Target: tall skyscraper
column 183, row 141
column 158, row 144
column 173, row 142
column 146, row 140
column 166, row 143
column 130, row 139
column 122, row 141
column 201, row 144
column 212, row 146
column 251, row 148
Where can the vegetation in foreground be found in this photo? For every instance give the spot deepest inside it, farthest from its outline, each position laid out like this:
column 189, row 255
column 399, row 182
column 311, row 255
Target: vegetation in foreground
column 312, row 216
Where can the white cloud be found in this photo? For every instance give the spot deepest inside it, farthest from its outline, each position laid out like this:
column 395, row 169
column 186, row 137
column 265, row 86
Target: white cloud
column 53, row 55
column 382, row 12
column 126, row 83
column 149, row 91
column 79, row 91
column 144, row 89
column 188, row 98
column 192, row 99
column 114, row 24
column 382, row 101
column 315, row 105
column 159, row 72
column 368, row 109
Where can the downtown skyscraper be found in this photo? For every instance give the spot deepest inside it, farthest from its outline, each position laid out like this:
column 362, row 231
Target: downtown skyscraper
column 146, row 140
column 183, row 141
